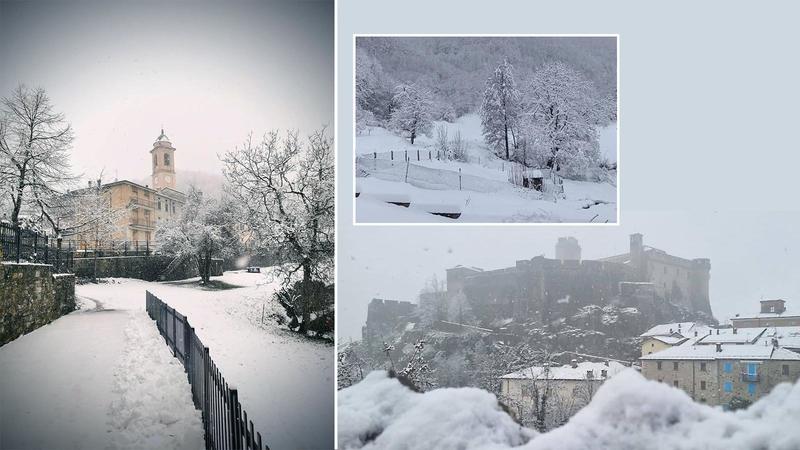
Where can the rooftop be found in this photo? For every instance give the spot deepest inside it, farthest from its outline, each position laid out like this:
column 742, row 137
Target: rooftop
column 685, row 329
column 567, row 372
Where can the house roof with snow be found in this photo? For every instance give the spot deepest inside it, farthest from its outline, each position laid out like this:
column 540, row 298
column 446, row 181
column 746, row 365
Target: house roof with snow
column 733, row 336
column 568, row 372
column 757, row 351
column 684, row 329
column 670, row 340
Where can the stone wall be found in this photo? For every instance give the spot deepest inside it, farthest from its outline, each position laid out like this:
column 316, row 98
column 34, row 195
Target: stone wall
column 32, row 296
column 148, row 268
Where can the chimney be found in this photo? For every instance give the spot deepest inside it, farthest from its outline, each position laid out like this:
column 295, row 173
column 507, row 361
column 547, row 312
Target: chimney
column 574, row 363
column 605, row 363
column 717, row 331
column 589, row 374
column 604, row 373
column 670, row 331
column 719, row 347
column 775, row 342
column 90, row 183
column 734, row 331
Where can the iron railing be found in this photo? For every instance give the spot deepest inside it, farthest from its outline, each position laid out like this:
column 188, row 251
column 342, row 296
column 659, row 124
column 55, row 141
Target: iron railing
column 24, row 245
column 83, row 249
column 224, row 421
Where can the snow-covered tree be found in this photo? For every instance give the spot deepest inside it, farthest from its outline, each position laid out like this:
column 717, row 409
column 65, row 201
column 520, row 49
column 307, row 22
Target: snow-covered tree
column 34, row 158
column 417, row 370
column 500, row 110
column 412, row 111
column 285, row 189
column 195, row 235
column 560, row 119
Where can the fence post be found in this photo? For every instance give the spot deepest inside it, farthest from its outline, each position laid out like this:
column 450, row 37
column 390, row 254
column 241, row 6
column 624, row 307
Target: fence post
column 405, row 155
column 233, row 407
column 429, row 156
column 459, row 178
column 174, row 341
column 17, row 239
column 186, row 347
column 58, row 251
column 374, row 155
column 391, row 155
column 206, row 397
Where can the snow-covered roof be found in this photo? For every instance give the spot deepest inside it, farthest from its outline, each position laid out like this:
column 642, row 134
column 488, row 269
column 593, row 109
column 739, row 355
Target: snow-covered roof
column 731, row 351
column 567, row 372
column 788, row 337
column 671, row 340
column 727, row 336
column 668, row 329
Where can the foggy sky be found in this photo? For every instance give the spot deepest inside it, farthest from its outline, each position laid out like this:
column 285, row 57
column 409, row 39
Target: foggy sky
column 210, row 73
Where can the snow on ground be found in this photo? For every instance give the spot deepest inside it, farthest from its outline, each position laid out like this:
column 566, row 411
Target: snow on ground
column 153, row 407
column 485, row 195
column 285, row 382
column 57, row 385
column 628, row 412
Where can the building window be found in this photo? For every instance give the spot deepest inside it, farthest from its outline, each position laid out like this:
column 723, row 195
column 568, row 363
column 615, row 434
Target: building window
column 785, row 370
column 702, row 367
column 159, row 204
column 727, row 387
column 659, row 365
column 652, row 344
column 751, row 388
column 675, row 383
column 675, row 365
column 702, row 385
column 166, row 159
column 727, row 367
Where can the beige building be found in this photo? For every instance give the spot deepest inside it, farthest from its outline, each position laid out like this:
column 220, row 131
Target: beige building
column 149, row 204
column 714, row 368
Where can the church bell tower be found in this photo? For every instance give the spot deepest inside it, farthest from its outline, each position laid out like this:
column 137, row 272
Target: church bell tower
column 163, row 163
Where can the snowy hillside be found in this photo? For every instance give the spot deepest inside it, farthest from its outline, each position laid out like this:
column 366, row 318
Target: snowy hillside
column 478, row 189
column 627, row 412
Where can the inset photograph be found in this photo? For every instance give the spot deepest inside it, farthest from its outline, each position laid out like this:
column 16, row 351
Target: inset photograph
column 486, row 129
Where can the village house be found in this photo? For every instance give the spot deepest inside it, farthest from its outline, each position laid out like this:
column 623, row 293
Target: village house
column 773, row 314
column 573, row 384
column 716, row 366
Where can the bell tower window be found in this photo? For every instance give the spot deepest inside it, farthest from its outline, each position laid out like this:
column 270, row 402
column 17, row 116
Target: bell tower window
column 166, row 159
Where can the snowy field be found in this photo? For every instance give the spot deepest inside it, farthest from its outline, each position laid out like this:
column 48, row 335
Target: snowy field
column 628, row 412
column 485, row 196
column 107, row 360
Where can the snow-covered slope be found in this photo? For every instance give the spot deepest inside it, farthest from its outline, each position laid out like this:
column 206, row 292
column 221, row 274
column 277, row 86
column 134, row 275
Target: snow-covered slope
column 628, row 412
column 478, row 188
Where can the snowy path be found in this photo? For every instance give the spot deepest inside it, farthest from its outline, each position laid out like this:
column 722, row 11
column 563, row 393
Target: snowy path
column 285, row 383
column 59, row 384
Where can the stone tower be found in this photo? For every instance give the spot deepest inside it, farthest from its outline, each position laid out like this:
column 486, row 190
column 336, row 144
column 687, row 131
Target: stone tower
column 567, row 249
column 163, row 163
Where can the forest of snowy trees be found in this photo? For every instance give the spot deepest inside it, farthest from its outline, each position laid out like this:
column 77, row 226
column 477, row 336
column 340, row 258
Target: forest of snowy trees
column 541, row 100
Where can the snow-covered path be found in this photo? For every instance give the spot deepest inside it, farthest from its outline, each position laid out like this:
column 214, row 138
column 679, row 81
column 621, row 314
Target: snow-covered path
column 285, row 382
column 73, row 384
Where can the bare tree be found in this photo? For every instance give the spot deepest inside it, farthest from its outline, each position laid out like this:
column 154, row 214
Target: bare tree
column 34, row 158
column 287, row 192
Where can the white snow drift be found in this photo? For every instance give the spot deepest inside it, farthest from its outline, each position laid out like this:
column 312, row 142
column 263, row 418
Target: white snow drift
column 628, row 412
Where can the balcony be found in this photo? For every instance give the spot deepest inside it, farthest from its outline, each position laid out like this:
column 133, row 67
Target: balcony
column 750, row 377
column 141, row 223
column 141, row 203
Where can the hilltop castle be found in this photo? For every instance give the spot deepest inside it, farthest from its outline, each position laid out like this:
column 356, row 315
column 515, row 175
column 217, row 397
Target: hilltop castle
column 661, row 286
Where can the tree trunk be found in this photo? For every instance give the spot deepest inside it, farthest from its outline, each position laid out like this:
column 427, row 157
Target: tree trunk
column 307, row 293
column 505, row 133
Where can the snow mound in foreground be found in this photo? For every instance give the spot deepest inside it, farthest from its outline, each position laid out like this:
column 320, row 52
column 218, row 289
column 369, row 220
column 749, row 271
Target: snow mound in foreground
column 628, row 412
column 380, row 413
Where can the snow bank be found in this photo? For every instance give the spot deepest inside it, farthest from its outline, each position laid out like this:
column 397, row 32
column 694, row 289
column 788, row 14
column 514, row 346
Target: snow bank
column 380, row 413
column 628, row 412
column 154, row 409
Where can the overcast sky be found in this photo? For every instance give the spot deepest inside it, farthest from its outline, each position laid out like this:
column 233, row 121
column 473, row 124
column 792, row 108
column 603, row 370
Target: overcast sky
column 209, row 73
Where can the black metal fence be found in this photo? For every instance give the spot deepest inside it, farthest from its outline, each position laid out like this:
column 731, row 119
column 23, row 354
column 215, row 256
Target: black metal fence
column 20, row 244
column 83, row 249
column 224, row 421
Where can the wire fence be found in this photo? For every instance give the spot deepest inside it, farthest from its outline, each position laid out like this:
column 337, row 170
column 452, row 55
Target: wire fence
column 88, row 249
column 225, row 423
column 24, row 245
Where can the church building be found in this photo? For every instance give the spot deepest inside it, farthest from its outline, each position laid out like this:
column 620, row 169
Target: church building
column 150, row 203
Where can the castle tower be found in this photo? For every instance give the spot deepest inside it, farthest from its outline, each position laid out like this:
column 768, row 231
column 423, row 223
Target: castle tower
column 163, row 163
column 567, row 248
column 637, row 256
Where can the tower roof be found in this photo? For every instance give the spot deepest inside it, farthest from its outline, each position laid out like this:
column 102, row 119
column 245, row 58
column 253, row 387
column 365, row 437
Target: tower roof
column 162, row 137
